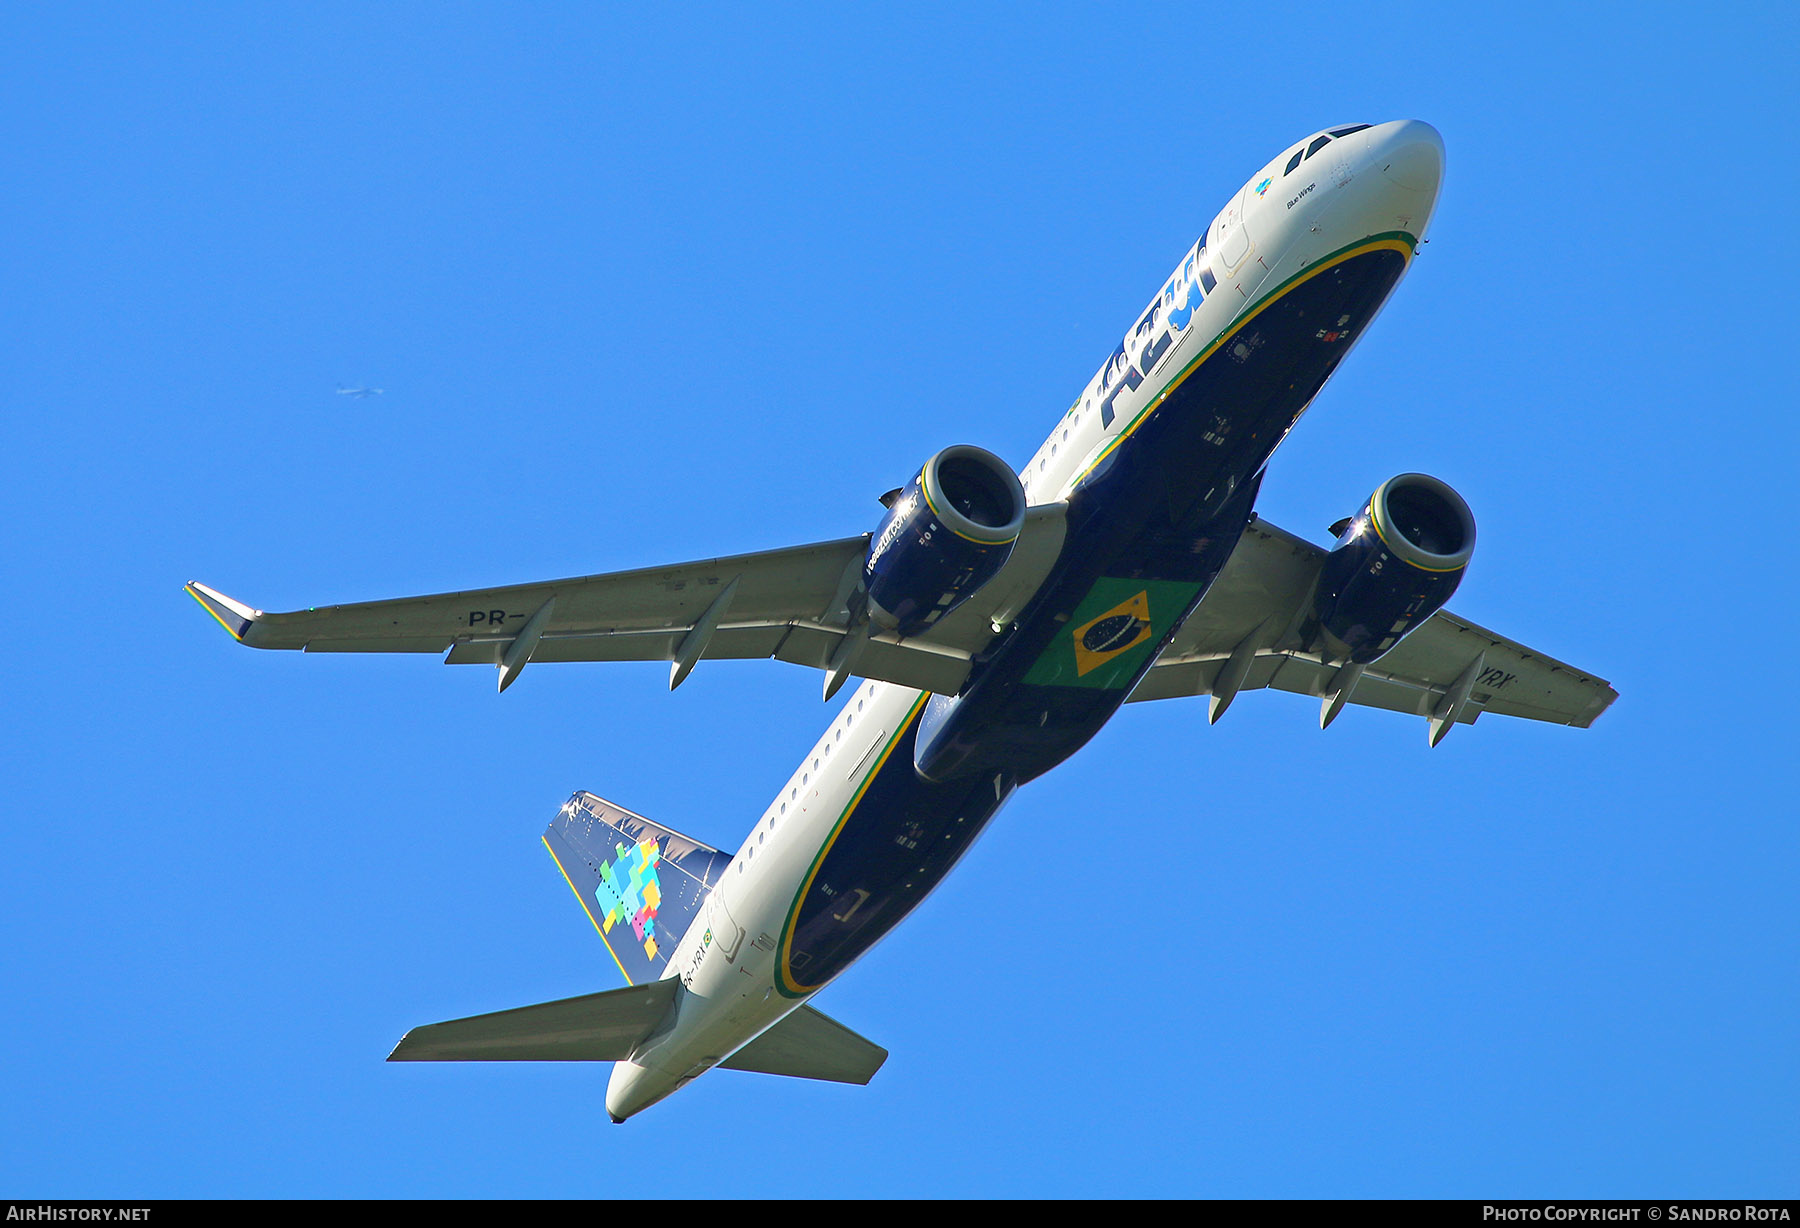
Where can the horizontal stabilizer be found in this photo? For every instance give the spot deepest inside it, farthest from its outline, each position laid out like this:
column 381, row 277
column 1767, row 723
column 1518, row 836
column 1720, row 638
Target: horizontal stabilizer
column 596, row 1027
column 810, row 1045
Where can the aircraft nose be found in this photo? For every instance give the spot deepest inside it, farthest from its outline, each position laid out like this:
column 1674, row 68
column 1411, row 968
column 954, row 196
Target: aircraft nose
column 1411, row 154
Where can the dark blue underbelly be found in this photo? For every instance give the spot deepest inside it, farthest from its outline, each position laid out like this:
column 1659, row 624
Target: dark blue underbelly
column 1149, row 529
column 892, row 846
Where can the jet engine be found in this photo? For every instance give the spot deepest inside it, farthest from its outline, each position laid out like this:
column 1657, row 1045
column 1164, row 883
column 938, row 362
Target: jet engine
column 946, row 533
column 1396, row 562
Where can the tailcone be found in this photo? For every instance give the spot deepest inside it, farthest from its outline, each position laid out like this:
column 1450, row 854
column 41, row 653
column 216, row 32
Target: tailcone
column 634, row 1088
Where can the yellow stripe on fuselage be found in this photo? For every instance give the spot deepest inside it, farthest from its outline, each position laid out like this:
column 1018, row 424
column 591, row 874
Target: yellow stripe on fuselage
column 1397, row 242
column 1402, row 244
column 789, row 984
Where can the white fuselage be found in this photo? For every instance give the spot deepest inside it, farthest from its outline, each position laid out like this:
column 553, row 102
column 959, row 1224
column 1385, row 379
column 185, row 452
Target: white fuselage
column 1370, row 182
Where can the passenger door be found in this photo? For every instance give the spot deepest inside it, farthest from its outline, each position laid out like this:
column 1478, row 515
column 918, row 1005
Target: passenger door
column 1232, row 241
column 727, row 934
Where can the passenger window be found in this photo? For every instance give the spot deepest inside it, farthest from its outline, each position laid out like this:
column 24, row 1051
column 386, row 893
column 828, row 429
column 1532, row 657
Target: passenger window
column 1317, row 145
column 1349, row 130
column 1294, row 161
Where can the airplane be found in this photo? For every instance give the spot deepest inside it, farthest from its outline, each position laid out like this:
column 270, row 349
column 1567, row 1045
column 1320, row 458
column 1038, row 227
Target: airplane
column 359, row 394
column 993, row 622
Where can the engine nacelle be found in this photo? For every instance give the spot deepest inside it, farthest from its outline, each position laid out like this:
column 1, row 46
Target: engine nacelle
column 1396, row 562
column 947, row 533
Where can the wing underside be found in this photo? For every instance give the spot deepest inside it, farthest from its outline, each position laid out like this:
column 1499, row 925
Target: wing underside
column 793, row 605
column 797, row 605
column 1252, row 615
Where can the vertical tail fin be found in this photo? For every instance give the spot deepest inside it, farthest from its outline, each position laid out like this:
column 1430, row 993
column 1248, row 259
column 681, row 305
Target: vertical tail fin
column 642, row 884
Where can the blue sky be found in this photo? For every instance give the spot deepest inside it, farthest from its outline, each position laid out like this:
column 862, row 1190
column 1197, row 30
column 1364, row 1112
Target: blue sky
column 659, row 285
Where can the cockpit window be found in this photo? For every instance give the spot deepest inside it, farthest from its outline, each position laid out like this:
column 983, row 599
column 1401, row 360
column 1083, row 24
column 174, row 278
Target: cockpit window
column 1294, row 161
column 1318, row 144
column 1349, row 130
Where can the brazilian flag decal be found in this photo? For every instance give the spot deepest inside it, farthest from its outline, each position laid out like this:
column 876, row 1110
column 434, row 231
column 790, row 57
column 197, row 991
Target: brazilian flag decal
column 1111, row 632
column 1117, row 631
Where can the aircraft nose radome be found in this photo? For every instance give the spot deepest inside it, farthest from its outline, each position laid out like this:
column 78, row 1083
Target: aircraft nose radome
column 1411, row 154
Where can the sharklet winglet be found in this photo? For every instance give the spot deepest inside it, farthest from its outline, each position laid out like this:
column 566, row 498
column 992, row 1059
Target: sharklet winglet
column 234, row 616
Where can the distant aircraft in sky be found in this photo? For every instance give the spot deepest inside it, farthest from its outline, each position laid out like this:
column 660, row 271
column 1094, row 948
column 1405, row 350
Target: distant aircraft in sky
column 995, row 621
column 359, row 393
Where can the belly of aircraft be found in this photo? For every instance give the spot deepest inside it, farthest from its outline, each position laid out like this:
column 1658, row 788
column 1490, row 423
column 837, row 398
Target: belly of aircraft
column 1150, row 527
column 1149, row 530
column 895, row 841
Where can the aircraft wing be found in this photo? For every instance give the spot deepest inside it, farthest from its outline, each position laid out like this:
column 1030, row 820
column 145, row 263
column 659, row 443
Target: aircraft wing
column 790, row 604
column 1253, row 614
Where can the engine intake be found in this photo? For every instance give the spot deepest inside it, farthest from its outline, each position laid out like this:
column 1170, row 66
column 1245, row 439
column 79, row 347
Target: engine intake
column 1396, row 562
column 946, row 534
